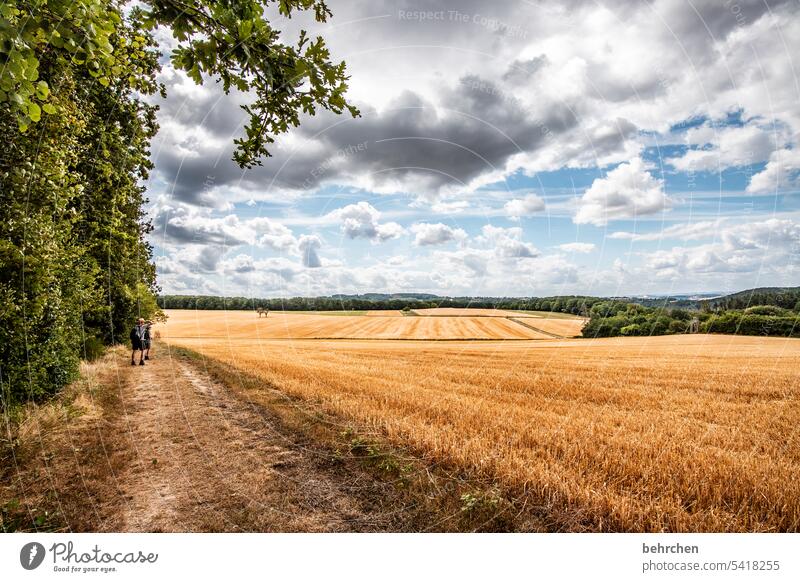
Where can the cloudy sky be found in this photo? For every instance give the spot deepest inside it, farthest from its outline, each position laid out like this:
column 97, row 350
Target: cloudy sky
column 504, row 148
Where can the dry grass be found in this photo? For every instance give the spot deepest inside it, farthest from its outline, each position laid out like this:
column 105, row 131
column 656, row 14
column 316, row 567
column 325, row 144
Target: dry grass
column 678, row 433
column 57, row 465
column 246, row 325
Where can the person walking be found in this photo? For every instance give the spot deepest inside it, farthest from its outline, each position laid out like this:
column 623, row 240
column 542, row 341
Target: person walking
column 146, row 341
column 138, row 334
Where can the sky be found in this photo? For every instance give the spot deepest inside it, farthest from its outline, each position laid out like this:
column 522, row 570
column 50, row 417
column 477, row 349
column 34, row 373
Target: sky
column 503, row 149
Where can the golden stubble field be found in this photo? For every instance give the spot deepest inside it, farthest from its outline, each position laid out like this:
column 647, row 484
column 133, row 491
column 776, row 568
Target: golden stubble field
column 675, row 433
column 371, row 325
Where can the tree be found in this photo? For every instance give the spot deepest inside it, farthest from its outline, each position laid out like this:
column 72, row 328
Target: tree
column 231, row 41
column 76, row 267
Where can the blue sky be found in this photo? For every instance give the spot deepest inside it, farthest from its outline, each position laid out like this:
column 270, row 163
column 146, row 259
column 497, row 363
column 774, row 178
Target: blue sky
column 611, row 148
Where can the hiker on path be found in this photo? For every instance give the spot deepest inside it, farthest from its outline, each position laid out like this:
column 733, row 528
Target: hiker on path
column 146, row 341
column 138, row 335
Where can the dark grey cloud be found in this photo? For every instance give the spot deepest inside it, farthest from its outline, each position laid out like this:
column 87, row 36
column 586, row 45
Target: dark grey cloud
column 208, row 258
column 179, row 224
column 308, row 246
column 475, row 124
column 522, row 72
column 474, row 130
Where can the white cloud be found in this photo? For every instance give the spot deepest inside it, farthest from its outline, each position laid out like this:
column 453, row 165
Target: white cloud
column 507, row 242
column 428, row 234
column 577, row 247
column 605, row 79
column 725, row 147
column 762, row 246
column 628, row 191
column 241, row 263
column 519, row 207
column 684, row 231
column 450, row 207
column 361, row 220
column 272, row 234
column 781, row 172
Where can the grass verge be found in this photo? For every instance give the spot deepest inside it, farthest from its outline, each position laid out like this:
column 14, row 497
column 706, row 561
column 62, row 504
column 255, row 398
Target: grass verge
column 53, row 462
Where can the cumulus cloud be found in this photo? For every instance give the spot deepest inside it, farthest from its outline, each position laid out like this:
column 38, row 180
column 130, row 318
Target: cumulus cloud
column 753, row 247
column 428, row 234
column 308, row 245
column 208, row 257
column 361, row 220
column 180, row 223
column 272, row 234
column 241, row 263
column 555, row 103
column 781, row 172
column 719, row 148
column 519, row 207
column 628, row 191
column 580, row 85
column 507, row 242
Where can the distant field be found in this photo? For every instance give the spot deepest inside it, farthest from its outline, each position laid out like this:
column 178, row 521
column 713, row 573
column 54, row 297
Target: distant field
column 334, row 313
column 675, row 433
column 546, row 314
column 566, row 327
column 467, row 312
column 385, row 313
column 296, row 325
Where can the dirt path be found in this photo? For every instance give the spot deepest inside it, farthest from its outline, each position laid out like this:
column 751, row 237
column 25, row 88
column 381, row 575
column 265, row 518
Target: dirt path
column 178, row 445
column 204, row 460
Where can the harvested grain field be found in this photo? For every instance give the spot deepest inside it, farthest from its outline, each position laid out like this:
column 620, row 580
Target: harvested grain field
column 673, row 433
column 385, row 313
column 292, row 325
column 468, row 312
column 556, row 326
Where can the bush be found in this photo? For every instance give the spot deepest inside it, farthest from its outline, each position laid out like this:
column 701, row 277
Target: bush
column 678, row 326
column 773, row 310
column 614, row 319
column 93, row 348
column 632, row 329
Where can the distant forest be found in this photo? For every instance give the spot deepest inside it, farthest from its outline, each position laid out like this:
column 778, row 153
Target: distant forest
column 773, row 311
column 577, row 305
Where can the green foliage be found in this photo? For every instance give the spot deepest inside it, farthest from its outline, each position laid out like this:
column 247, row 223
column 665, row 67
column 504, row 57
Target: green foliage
column 784, row 297
column 231, row 42
column 786, row 324
column 773, row 310
column 76, row 145
column 75, row 268
column 38, row 36
column 610, row 319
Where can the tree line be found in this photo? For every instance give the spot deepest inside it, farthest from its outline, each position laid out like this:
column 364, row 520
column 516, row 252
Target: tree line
column 734, row 314
column 76, row 269
column 577, row 305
